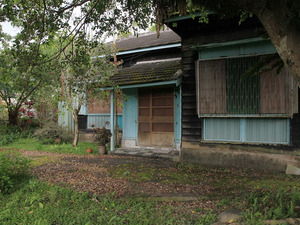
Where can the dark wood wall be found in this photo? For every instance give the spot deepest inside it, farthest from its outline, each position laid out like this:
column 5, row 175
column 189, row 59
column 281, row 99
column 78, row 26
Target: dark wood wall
column 192, row 34
column 191, row 124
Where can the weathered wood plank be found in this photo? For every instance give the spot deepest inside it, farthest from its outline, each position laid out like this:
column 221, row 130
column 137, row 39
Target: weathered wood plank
column 277, row 95
column 212, row 87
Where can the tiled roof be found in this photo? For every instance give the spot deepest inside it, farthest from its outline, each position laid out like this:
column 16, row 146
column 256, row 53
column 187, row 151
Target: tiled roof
column 148, row 40
column 142, row 73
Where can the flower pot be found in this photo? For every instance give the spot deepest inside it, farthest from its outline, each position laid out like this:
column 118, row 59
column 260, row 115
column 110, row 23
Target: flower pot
column 101, row 149
column 89, row 150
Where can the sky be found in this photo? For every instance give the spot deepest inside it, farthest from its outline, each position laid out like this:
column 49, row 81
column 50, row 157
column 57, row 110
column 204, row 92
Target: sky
column 9, row 29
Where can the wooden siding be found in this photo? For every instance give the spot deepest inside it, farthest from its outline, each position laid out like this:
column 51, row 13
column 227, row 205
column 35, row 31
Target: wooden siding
column 279, row 93
column 212, row 87
column 191, row 124
column 222, row 90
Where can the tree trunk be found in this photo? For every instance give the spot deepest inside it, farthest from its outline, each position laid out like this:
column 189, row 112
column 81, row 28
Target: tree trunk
column 284, row 35
column 76, row 129
column 13, row 117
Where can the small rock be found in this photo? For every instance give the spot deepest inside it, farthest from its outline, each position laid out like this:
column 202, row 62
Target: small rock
column 230, row 216
column 290, row 169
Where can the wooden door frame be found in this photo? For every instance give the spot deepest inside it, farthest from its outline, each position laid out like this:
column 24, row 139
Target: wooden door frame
column 151, row 117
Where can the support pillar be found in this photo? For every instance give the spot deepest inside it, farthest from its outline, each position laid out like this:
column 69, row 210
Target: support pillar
column 112, row 121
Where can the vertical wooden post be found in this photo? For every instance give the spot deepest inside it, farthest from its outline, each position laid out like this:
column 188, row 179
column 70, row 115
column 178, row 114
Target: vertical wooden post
column 112, row 122
column 116, row 103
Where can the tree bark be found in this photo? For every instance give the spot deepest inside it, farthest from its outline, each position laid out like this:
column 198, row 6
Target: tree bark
column 284, row 35
column 75, row 113
column 13, row 116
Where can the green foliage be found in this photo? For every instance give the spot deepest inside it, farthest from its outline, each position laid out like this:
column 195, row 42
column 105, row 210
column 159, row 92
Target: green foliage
column 51, row 131
column 13, row 170
column 101, row 136
column 273, row 205
column 9, row 134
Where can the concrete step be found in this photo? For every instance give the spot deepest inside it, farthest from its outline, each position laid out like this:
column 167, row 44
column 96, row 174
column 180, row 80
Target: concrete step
column 171, row 154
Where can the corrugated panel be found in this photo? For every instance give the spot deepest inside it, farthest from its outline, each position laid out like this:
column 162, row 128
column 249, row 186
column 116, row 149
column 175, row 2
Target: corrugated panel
column 65, row 118
column 267, row 131
column 222, row 129
column 100, row 121
column 242, row 94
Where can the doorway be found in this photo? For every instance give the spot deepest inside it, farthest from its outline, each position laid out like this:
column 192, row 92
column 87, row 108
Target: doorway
column 156, row 117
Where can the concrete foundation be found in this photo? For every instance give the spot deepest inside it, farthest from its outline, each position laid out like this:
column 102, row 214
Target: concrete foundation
column 128, row 143
column 241, row 157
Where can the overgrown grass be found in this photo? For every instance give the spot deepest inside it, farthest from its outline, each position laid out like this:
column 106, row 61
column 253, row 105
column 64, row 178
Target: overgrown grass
column 34, row 144
column 272, row 205
column 14, row 170
column 40, row 203
column 9, row 134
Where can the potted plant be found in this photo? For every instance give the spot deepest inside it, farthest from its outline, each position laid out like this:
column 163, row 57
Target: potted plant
column 102, row 137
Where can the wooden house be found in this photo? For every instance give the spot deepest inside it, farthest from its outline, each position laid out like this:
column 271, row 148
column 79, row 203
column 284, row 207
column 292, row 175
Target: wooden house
column 219, row 105
column 149, row 77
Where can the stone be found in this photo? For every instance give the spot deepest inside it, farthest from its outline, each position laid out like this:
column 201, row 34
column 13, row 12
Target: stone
column 293, row 170
column 230, row 215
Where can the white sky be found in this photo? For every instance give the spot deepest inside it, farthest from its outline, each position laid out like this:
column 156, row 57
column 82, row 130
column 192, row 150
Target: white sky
column 9, row 29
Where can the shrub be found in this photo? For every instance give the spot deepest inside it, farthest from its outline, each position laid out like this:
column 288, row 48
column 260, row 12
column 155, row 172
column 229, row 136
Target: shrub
column 51, row 131
column 14, row 169
column 9, row 134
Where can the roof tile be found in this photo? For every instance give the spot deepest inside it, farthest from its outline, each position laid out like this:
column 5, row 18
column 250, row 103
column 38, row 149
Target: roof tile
column 142, row 73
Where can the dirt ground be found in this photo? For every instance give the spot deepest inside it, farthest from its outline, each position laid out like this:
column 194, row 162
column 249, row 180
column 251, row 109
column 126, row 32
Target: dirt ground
column 127, row 176
column 188, row 187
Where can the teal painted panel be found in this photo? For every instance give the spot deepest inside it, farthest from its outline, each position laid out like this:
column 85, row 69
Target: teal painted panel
column 242, row 94
column 257, row 47
column 177, row 132
column 248, row 130
column 224, row 51
column 65, row 118
column 222, row 129
column 130, row 114
column 120, row 122
column 275, row 131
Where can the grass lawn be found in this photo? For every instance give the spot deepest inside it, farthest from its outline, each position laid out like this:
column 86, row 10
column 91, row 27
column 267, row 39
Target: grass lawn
column 78, row 188
column 41, row 203
column 34, row 144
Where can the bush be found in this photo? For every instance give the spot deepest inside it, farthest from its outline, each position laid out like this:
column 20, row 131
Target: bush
column 51, row 131
column 14, row 169
column 9, row 134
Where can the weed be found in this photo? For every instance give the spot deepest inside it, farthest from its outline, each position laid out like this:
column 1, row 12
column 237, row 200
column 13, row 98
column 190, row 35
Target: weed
column 13, row 170
column 9, row 134
column 272, row 205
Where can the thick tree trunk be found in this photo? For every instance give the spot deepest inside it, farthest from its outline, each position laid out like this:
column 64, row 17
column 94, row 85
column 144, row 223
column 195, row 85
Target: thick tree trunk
column 284, row 35
column 76, row 128
column 13, row 117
